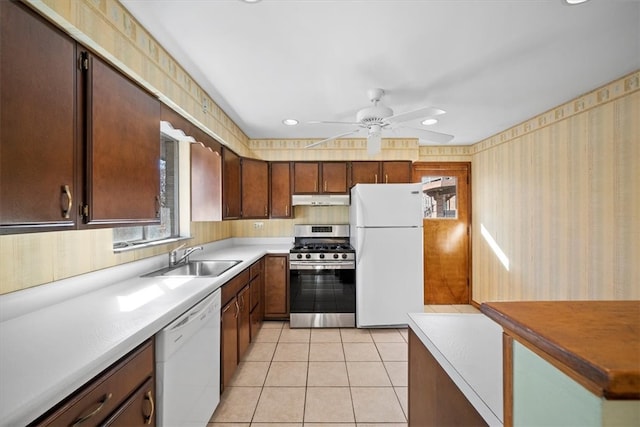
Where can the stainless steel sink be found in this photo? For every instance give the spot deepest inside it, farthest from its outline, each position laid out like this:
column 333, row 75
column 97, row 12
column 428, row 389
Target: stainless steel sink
column 204, row 268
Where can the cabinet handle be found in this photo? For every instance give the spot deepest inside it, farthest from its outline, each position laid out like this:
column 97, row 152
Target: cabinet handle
column 157, row 206
column 286, row 210
column 237, row 309
column 94, row 412
column 315, row 186
column 386, row 178
column 147, row 418
column 266, row 212
column 227, row 209
column 376, row 177
column 325, row 186
column 67, row 192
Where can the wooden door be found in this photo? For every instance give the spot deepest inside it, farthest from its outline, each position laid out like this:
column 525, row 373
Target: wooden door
column 231, row 184
column 276, row 280
column 206, row 188
column 306, row 176
column 447, row 250
column 255, row 188
column 244, row 321
column 396, row 172
column 37, row 124
column 280, row 190
column 334, row 177
column 123, row 148
column 229, row 342
column 365, row 172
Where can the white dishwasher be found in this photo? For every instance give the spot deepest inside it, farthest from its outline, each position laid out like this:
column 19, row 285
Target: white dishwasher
column 188, row 366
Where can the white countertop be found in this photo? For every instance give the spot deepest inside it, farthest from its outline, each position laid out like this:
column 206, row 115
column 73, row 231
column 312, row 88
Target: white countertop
column 469, row 349
column 54, row 338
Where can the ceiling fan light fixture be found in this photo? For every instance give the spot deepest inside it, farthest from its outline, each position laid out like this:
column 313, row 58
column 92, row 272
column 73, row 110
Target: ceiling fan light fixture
column 429, row 122
column 290, row 122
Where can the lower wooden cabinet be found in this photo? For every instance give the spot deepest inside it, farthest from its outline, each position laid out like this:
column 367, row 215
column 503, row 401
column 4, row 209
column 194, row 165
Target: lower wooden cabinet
column 137, row 411
column 122, row 395
column 434, row 399
column 228, row 342
column 276, row 287
column 244, row 321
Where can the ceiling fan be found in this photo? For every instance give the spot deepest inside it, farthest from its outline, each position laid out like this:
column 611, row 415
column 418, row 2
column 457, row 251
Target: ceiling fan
column 378, row 118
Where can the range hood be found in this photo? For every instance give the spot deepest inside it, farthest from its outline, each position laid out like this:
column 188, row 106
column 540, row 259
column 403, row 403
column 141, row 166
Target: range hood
column 320, row 200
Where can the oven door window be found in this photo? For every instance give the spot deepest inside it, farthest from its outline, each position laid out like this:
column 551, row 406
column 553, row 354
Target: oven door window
column 323, row 291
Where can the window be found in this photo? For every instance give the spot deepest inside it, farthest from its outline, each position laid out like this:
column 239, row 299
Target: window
column 169, row 227
column 439, row 195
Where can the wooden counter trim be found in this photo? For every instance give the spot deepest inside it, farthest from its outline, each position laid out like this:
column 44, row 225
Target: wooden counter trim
column 600, row 380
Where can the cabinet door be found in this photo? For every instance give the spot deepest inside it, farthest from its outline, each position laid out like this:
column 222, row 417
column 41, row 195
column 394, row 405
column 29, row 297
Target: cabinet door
column 276, row 284
column 206, row 184
column 231, row 184
column 306, row 177
column 255, row 188
column 37, row 125
column 280, row 190
column 365, row 173
column 137, row 411
column 396, row 172
column 334, row 177
column 229, row 342
column 244, row 321
column 123, row 148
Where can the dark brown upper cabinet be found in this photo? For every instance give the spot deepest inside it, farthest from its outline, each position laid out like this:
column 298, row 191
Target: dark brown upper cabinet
column 206, row 183
column 255, row 188
column 123, row 148
column 79, row 142
column 386, row 172
column 320, row 177
column 396, row 172
column 231, row 184
column 38, row 126
column 280, row 189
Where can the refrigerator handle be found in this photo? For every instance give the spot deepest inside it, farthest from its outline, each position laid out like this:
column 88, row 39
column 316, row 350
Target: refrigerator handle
column 359, row 212
column 360, row 243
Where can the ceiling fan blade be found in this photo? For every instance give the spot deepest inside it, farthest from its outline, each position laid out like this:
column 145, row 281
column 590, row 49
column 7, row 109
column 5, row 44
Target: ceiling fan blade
column 314, row 122
column 415, row 114
column 332, row 138
column 374, row 143
column 431, row 136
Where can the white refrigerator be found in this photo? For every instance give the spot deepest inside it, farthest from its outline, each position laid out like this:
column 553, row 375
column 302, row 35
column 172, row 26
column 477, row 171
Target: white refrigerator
column 386, row 232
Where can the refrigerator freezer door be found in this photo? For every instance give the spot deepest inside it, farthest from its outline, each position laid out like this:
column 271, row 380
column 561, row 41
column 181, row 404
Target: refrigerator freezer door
column 389, row 273
column 386, row 205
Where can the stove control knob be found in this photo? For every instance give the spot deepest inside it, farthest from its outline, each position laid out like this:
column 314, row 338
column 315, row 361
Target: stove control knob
column 321, row 256
column 299, row 256
column 335, row 256
column 344, row 256
column 307, row 256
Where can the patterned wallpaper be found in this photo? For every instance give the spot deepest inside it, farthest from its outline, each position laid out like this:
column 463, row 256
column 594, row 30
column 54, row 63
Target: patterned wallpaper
column 596, row 258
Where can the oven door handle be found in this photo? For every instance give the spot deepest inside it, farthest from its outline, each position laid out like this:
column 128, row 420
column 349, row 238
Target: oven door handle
column 310, row 265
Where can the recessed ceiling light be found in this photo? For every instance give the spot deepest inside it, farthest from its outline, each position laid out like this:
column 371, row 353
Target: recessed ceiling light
column 251, row 1
column 575, row 1
column 429, row 122
column 290, row 122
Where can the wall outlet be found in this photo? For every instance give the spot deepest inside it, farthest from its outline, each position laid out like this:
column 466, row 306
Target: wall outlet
column 258, row 225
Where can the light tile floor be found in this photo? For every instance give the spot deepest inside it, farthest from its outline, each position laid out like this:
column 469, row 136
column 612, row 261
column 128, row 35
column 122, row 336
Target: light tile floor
column 321, row 378
column 318, row 377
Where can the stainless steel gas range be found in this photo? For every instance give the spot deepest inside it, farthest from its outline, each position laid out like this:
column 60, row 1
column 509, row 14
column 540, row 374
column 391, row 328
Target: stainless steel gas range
column 322, row 267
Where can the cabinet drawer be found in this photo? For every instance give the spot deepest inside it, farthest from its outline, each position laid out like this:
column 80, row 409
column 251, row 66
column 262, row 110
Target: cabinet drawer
column 138, row 410
column 233, row 286
column 104, row 394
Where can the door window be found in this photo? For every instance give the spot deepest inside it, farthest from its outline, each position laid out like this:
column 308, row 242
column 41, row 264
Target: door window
column 440, row 197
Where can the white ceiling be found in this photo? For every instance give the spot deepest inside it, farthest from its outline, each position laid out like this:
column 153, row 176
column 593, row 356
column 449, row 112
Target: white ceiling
column 490, row 64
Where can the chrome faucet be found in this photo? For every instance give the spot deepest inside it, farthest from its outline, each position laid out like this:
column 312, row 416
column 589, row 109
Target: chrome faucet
column 173, row 255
